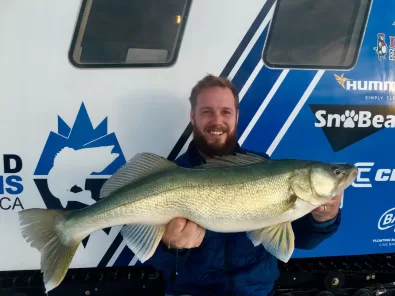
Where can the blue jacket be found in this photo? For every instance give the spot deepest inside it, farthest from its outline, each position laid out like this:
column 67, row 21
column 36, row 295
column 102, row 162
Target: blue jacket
column 229, row 264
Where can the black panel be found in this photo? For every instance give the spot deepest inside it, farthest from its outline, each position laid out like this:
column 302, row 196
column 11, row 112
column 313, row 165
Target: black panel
column 316, row 34
column 128, row 33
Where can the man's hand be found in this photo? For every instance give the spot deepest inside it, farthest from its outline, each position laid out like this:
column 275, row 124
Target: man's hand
column 182, row 233
column 329, row 210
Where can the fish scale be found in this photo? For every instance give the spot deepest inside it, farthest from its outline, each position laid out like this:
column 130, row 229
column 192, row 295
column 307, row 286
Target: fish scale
column 228, row 194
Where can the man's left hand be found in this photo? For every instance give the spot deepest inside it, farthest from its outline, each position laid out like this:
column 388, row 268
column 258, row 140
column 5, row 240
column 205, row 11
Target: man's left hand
column 329, row 210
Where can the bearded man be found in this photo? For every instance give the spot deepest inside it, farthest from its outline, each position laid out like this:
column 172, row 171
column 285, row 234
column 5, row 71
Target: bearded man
column 195, row 261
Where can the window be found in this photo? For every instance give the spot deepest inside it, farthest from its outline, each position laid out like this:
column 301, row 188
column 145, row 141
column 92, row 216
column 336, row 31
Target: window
column 128, row 33
column 316, row 34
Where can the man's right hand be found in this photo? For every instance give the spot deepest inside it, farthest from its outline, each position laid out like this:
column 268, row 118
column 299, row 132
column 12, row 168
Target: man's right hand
column 182, row 233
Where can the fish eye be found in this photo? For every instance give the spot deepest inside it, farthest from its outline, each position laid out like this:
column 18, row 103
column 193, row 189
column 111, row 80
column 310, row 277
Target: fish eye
column 336, row 170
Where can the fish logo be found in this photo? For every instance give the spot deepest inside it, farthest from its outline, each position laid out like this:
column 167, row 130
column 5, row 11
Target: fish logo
column 85, row 161
column 387, row 220
column 75, row 163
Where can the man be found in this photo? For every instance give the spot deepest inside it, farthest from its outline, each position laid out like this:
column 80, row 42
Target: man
column 201, row 262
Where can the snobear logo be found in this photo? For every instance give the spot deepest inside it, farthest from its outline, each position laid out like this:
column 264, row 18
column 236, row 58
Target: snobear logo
column 344, row 125
column 75, row 163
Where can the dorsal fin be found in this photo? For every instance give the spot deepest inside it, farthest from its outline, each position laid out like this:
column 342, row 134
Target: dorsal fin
column 139, row 166
column 233, row 160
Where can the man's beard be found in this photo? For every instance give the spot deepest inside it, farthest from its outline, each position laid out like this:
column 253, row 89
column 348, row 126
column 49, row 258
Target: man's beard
column 211, row 150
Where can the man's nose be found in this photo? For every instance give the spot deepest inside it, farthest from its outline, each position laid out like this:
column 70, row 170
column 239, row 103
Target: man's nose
column 217, row 119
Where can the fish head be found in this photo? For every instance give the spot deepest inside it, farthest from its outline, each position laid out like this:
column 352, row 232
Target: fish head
column 317, row 182
column 328, row 179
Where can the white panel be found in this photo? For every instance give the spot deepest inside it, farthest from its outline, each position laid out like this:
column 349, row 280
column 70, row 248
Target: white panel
column 147, row 109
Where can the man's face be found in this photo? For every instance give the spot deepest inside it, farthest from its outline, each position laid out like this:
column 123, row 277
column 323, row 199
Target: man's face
column 214, row 120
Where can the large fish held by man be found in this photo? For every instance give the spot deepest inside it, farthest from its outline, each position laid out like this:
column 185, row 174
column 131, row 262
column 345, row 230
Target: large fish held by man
column 236, row 193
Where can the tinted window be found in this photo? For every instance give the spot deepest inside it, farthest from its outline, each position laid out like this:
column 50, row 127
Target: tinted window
column 128, row 33
column 316, row 34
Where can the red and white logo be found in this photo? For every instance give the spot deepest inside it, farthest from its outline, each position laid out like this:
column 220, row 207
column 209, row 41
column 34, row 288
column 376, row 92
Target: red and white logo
column 381, row 48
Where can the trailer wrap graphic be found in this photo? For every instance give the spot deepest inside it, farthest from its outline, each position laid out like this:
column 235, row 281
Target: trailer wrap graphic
column 75, row 162
column 11, row 182
column 336, row 115
column 327, row 115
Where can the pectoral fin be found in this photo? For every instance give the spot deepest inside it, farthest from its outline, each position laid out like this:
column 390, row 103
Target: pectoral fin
column 278, row 240
column 143, row 239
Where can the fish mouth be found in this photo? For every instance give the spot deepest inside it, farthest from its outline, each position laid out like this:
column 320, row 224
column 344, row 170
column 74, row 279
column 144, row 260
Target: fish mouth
column 353, row 174
column 351, row 171
column 350, row 174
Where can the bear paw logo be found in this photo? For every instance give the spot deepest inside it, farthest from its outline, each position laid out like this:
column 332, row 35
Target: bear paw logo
column 349, row 118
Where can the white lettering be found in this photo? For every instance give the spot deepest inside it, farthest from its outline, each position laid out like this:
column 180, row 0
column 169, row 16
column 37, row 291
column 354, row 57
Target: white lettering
column 320, row 118
column 381, row 240
column 363, row 167
column 390, row 123
column 364, row 119
column 378, row 121
column 370, row 85
column 389, row 85
column 365, row 85
column 380, row 177
column 387, row 220
column 332, row 117
column 351, row 85
column 375, row 85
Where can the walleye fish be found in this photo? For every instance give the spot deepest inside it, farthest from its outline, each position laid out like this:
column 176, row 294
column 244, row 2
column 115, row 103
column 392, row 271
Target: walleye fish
column 237, row 193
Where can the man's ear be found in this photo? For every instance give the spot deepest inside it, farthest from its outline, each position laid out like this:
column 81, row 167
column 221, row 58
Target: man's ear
column 237, row 115
column 192, row 116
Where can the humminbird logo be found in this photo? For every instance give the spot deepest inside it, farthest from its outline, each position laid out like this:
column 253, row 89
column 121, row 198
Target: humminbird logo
column 344, row 125
column 365, row 85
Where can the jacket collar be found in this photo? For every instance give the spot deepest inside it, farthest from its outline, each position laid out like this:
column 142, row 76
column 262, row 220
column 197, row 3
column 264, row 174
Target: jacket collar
column 196, row 159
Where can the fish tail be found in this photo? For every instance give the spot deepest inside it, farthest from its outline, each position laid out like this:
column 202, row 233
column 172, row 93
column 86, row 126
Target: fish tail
column 44, row 229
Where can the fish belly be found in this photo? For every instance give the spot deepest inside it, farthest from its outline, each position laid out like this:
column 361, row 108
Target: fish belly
column 222, row 201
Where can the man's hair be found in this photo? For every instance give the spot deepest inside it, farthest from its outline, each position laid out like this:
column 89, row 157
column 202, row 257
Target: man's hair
column 213, row 81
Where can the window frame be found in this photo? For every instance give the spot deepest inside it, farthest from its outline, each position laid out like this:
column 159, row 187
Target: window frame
column 358, row 47
column 76, row 33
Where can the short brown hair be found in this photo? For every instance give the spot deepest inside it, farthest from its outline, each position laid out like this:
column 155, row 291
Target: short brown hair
column 213, row 81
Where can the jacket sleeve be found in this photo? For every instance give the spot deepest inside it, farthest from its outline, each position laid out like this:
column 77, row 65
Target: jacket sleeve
column 309, row 233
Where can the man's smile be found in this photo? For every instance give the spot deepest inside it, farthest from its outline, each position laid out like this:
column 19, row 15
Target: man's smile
column 216, row 133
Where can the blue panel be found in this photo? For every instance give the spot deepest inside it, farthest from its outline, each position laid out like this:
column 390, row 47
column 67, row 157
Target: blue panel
column 357, row 109
column 368, row 217
column 250, row 62
column 253, row 98
column 278, row 110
